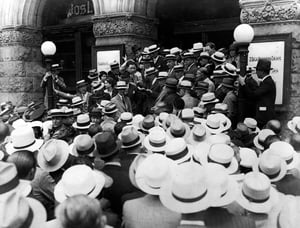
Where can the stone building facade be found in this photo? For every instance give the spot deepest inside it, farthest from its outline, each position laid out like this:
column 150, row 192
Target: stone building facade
column 124, row 22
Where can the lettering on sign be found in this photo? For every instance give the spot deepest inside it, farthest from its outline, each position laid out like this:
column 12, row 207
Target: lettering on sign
column 80, row 9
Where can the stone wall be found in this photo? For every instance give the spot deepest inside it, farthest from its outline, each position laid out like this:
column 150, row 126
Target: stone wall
column 126, row 29
column 20, row 65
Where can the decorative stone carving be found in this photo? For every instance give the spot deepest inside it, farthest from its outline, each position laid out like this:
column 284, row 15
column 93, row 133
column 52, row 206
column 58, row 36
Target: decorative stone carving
column 26, row 37
column 125, row 25
column 269, row 11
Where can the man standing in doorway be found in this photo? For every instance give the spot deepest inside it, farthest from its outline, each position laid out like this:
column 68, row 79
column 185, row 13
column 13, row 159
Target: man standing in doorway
column 265, row 93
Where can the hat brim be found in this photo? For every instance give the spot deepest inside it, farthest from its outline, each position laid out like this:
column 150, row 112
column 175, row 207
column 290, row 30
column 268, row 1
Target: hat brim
column 73, row 151
column 121, row 87
column 231, row 169
column 201, row 151
column 192, row 141
column 39, row 213
column 24, row 187
column 142, row 182
column 283, row 170
column 214, row 131
column 144, row 129
column 51, row 168
column 155, row 50
column 114, row 151
column 264, row 207
column 170, row 202
column 230, row 196
column 186, row 134
column 141, row 139
column 188, row 156
column 256, row 143
column 133, row 166
column 216, row 100
column 151, row 148
column 217, row 60
column 36, row 146
column 292, row 126
column 81, row 128
column 93, row 77
column 59, row 191
column 111, row 112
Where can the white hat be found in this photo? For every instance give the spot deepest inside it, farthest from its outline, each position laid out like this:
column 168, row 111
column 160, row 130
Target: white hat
column 222, row 184
column 83, row 145
column 292, row 124
column 153, row 172
column 187, row 191
column 19, row 123
column 161, row 118
column 213, row 124
column 23, row 138
column 208, row 98
column 286, row 152
column 187, row 115
column 218, row 56
column 79, row 179
column 137, row 119
column 251, row 124
column 175, row 50
column 83, row 122
column 178, row 150
column 156, row 141
column 198, row 134
column 179, row 129
column 200, row 153
column 197, row 47
column 221, row 154
column 272, row 165
column 257, row 195
column 248, row 157
column 260, row 138
column 163, row 74
column 224, row 120
column 218, row 139
column 126, row 117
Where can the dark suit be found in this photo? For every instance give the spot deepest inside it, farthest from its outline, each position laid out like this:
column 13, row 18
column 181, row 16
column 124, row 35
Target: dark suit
column 160, row 63
column 156, row 88
column 122, row 105
column 121, row 186
column 289, row 185
column 191, row 69
column 265, row 96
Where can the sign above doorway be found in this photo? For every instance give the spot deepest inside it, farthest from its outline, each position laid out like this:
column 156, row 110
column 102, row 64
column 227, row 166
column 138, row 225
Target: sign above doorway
column 80, row 8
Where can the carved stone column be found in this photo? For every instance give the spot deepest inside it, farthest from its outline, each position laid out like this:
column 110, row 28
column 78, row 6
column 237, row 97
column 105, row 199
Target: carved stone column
column 279, row 17
column 125, row 29
column 20, row 65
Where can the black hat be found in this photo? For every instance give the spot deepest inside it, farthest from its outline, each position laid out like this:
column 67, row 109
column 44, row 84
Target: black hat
column 263, row 64
column 171, row 82
column 107, row 144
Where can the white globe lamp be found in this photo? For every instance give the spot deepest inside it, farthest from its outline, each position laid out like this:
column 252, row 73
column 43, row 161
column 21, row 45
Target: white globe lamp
column 243, row 33
column 48, row 48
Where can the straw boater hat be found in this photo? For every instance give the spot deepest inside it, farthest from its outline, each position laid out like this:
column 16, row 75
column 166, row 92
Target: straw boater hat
column 198, row 134
column 248, row 157
column 110, row 108
column 224, row 186
column 286, row 152
column 208, row 98
column 153, row 48
column 187, row 191
column 147, row 123
column 252, row 125
column 107, row 144
column 168, row 121
column 197, row 47
column 19, row 123
column 162, row 75
column 220, row 108
column 175, row 50
column 230, row 69
column 218, row 139
column 76, row 101
column 178, row 68
column 257, row 195
column 53, row 155
column 114, row 65
column 81, row 83
column 79, row 179
column 121, row 85
column 93, row 74
column 204, row 54
column 218, row 57
column 137, row 119
column 153, row 173
column 293, row 124
column 161, row 118
column 273, row 166
column 9, row 181
column 213, row 124
column 19, row 212
column 126, row 117
column 134, row 165
column 34, row 111
column 260, row 138
column 97, row 85
column 23, row 138
column 83, row 122
column 178, row 129
column 221, row 154
column 170, row 57
column 130, row 137
column 201, row 150
column 156, row 141
column 224, row 120
column 178, row 150
column 83, row 145
column 151, row 71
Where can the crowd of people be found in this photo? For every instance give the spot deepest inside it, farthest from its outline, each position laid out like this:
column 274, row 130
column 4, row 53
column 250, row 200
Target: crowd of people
column 170, row 138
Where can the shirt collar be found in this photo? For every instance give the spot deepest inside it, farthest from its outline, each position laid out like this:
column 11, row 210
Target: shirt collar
column 265, row 77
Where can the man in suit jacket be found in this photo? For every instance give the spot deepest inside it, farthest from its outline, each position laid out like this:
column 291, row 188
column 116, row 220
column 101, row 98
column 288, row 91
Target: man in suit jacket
column 264, row 95
column 189, row 62
column 122, row 101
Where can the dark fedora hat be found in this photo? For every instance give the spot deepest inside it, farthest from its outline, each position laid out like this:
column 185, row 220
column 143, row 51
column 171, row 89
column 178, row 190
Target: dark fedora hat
column 228, row 82
column 171, row 83
column 263, row 64
column 202, row 85
column 107, row 144
column 34, row 112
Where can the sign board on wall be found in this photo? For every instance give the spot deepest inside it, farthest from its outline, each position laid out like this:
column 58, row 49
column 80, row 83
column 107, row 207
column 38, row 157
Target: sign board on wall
column 80, row 8
column 275, row 51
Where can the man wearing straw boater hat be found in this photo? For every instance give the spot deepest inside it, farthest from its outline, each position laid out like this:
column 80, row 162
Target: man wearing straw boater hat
column 159, row 61
column 148, row 211
column 82, row 91
column 189, row 62
column 264, row 95
column 122, row 101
